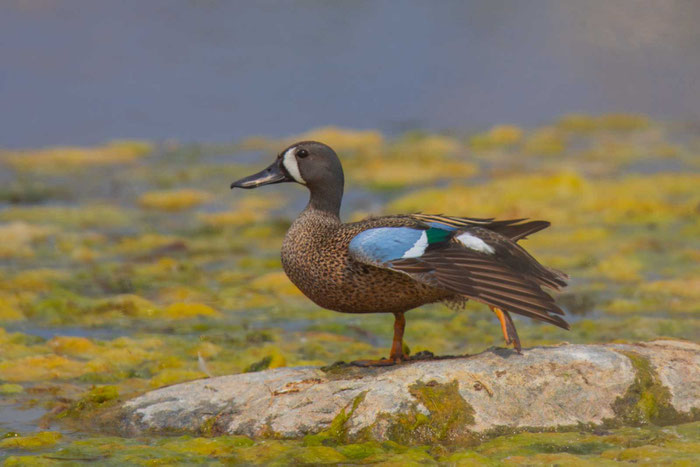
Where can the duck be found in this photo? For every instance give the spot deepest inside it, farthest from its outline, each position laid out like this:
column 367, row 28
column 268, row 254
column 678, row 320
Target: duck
column 395, row 263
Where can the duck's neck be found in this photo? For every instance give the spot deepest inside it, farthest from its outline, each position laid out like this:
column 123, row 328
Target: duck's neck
column 326, row 199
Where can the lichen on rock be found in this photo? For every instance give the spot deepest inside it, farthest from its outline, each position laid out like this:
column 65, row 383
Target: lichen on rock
column 454, row 401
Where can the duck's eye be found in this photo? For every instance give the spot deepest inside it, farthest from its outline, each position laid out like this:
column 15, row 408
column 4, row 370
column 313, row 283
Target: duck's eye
column 302, row 153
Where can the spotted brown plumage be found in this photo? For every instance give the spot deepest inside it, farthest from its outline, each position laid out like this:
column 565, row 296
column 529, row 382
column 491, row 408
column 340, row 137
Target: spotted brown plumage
column 392, row 264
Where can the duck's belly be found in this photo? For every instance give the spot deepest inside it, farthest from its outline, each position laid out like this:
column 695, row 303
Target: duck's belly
column 339, row 283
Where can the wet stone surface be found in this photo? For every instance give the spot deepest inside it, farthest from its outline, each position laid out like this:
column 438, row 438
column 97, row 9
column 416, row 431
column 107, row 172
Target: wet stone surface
column 544, row 388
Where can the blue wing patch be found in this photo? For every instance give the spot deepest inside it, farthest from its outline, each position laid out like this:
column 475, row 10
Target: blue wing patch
column 381, row 245
column 384, row 244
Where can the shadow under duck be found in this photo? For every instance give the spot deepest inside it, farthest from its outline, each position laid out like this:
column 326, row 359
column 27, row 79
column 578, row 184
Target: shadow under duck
column 392, row 264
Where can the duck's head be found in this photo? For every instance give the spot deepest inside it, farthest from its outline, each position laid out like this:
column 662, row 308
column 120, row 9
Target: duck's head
column 309, row 163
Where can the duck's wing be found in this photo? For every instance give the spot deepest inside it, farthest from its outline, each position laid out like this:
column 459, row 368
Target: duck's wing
column 515, row 229
column 475, row 262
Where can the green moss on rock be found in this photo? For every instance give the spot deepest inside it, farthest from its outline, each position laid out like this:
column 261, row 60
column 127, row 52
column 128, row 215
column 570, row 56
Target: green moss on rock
column 447, row 421
column 647, row 400
column 337, row 431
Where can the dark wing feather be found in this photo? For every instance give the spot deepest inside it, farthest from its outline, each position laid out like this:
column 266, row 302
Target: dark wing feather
column 492, row 279
column 515, row 229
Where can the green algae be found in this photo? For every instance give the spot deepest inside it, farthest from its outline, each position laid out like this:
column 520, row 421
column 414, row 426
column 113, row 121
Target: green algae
column 447, row 421
column 647, row 400
column 32, row 442
column 128, row 290
column 97, row 398
column 649, row 444
column 337, row 431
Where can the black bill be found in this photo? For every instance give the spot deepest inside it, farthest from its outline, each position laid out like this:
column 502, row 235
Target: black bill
column 275, row 173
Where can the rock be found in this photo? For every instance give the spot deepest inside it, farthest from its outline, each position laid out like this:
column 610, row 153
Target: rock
column 446, row 400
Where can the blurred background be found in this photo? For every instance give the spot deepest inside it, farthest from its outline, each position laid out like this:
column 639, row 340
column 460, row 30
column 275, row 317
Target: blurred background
column 127, row 264
column 78, row 72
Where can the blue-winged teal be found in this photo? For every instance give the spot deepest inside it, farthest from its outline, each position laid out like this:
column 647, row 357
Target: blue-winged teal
column 395, row 263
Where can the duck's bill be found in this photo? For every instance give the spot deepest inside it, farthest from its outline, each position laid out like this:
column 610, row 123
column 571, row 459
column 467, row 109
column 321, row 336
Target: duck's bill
column 273, row 174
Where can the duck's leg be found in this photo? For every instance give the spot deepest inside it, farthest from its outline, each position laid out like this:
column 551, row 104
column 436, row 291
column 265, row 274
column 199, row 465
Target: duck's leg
column 508, row 328
column 396, row 355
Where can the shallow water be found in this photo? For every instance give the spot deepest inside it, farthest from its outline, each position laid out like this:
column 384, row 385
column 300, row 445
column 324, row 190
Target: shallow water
column 123, row 264
column 78, row 72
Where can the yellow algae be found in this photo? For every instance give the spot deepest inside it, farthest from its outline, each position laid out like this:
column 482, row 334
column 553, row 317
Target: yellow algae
column 68, row 158
column 263, row 453
column 258, row 232
column 147, row 242
column 162, row 267
column 261, row 203
column 41, row 368
column 174, row 200
column 18, row 238
column 613, row 151
column 397, row 173
column 497, row 136
column 249, row 210
column 9, row 312
column 623, row 121
column 34, row 280
column 565, row 197
column 87, row 215
column 343, row 139
column 577, row 122
column 207, row 350
column 179, row 293
column 94, row 398
column 231, row 277
column 233, row 218
column 620, row 267
column 556, row 459
column 84, row 254
column 109, row 359
column 182, row 310
column 589, row 235
column 128, row 305
column 666, row 150
column 170, row 376
column 524, row 196
column 424, row 147
column 277, row 358
column 14, row 346
column 148, row 343
column 216, row 447
column 547, row 141
column 684, row 287
column 587, row 239
column 71, row 346
column 613, row 224
column 252, row 301
column 622, row 305
column 34, row 441
column 167, row 362
column 276, row 282
column 647, row 454
column 9, row 389
column 645, row 199
column 269, row 357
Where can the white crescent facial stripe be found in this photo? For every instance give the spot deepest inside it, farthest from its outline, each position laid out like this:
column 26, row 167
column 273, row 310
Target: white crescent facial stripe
column 290, row 163
column 418, row 248
column 475, row 243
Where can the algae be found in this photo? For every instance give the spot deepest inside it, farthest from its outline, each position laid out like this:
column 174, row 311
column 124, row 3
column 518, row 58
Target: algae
column 101, row 286
column 447, row 421
column 647, row 400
